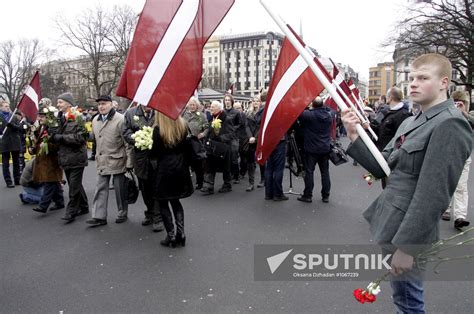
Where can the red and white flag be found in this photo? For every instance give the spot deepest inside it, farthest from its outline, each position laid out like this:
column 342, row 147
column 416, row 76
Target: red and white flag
column 292, row 88
column 164, row 63
column 353, row 89
column 339, row 80
column 29, row 102
column 231, row 89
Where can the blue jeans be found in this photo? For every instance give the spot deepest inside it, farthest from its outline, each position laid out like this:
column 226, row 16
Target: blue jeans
column 407, row 291
column 310, row 161
column 32, row 195
column 53, row 192
column 274, row 168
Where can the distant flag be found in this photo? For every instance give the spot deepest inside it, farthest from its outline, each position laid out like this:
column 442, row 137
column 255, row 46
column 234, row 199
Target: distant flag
column 231, row 89
column 164, row 63
column 353, row 88
column 292, row 88
column 29, row 102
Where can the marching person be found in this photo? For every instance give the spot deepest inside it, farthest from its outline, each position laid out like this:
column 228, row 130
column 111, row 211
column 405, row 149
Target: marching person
column 10, row 144
column 135, row 119
column 250, row 147
column 173, row 180
column 198, row 125
column 219, row 138
column 46, row 169
column 71, row 139
column 426, row 156
column 235, row 117
column 316, row 125
column 111, row 160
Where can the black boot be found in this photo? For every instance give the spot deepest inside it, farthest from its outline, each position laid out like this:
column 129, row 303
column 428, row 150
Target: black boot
column 179, row 220
column 169, row 241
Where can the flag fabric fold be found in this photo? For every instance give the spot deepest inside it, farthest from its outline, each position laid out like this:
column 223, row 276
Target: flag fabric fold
column 29, row 102
column 164, row 63
column 292, row 88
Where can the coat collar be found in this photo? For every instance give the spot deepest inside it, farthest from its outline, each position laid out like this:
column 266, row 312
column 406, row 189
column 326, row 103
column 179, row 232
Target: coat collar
column 423, row 117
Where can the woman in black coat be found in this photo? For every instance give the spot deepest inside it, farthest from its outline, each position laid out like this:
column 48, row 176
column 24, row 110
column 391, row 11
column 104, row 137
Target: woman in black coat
column 173, row 181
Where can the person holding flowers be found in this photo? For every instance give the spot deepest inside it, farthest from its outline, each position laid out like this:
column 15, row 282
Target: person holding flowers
column 46, row 169
column 426, row 157
column 71, row 136
column 111, row 160
column 136, row 119
column 172, row 152
column 220, row 135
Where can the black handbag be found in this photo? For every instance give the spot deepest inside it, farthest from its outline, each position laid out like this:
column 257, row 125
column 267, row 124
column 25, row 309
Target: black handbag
column 337, row 155
column 216, row 149
column 198, row 151
column 132, row 189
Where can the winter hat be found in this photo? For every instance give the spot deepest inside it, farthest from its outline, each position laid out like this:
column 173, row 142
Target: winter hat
column 67, row 97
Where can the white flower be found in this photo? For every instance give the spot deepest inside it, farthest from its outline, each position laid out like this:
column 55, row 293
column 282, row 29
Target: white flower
column 52, row 109
column 373, row 288
column 25, row 127
column 198, row 113
column 45, row 110
column 136, row 118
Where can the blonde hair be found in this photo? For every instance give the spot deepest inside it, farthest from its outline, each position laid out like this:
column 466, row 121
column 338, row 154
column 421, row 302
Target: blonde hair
column 441, row 62
column 171, row 131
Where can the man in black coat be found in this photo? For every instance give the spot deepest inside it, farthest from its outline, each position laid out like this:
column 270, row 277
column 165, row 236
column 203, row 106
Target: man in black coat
column 136, row 118
column 71, row 138
column 218, row 145
column 385, row 125
column 236, row 118
column 316, row 123
column 10, row 144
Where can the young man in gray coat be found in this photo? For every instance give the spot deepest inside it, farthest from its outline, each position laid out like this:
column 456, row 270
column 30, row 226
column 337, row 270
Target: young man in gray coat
column 112, row 159
column 426, row 157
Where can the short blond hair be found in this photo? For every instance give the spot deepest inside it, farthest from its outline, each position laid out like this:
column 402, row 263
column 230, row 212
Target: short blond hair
column 441, row 62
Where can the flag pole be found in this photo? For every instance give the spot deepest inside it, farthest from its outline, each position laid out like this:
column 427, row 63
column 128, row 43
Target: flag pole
column 330, row 88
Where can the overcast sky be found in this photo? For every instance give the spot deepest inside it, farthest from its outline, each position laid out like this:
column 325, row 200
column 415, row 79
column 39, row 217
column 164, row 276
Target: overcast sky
column 347, row 31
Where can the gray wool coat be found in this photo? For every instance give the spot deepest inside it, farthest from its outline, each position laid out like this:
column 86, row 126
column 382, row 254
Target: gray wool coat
column 426, row 158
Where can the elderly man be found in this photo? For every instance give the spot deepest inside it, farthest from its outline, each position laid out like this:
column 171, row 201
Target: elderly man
column 111, row 160
column 218, row 144
column 71, row 138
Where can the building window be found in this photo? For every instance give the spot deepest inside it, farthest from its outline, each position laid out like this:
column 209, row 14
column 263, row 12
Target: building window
column 215, row 59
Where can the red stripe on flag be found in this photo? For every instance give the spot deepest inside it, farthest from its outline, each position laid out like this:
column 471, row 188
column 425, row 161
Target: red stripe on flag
column 27, row 105
column 184, row 72
column 297, row 97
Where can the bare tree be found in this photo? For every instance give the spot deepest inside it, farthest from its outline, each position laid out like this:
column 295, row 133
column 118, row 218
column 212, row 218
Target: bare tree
column 443, row 26
column 18, row 61
column 104, row 39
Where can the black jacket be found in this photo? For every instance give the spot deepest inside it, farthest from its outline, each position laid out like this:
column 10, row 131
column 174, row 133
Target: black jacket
column 71, row 137
column 10, row 141
column 173, row 180
column 316, row 125
column 387, row 128
column 141, row 161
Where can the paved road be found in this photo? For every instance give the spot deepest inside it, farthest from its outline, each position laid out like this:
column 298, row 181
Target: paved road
column 48, row 267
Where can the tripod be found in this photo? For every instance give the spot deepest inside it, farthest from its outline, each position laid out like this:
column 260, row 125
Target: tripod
column 293, row 155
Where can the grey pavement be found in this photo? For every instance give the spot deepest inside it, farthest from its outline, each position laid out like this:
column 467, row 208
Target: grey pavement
column 49, row 267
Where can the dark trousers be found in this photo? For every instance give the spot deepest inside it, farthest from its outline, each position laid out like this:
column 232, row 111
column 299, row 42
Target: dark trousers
column 310, row 162
column 52, row 192
column 262, row 172
column 249, row 163
column 198, row 166
column 212, row 165
column 234, row 159
column 6, row 167
column 77, row 196
column 178, row 214
column 152, row 210
column 274, row 168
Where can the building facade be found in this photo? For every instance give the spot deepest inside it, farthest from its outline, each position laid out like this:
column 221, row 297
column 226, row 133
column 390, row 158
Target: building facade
column 381, row 78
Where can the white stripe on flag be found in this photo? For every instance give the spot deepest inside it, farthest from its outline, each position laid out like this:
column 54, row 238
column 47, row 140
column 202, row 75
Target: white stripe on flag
column 169, row 44
column 338, row 79
column 286, row 82
column 31, row 93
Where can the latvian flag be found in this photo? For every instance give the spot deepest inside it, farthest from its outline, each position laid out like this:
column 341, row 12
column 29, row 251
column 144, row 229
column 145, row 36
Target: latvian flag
column 164, row 63
column 29, row 103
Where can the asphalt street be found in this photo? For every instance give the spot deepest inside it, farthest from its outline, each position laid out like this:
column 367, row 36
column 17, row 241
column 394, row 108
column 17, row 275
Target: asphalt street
column 49, row 267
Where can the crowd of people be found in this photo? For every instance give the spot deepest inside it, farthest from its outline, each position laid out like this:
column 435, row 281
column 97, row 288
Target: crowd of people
column 223, row 137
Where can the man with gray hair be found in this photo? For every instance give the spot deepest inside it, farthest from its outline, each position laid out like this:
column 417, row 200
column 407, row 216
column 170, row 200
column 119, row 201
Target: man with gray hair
column 386, row 125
